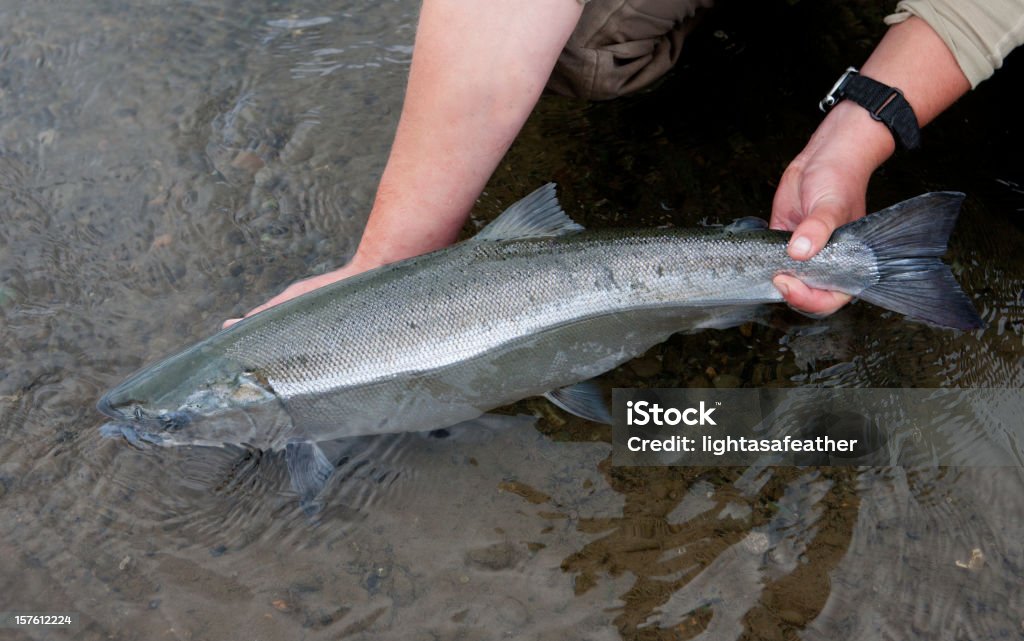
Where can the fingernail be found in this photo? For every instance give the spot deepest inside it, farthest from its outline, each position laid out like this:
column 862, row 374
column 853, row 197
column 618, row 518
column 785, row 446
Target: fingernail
column 782, row 287
column 800, row 246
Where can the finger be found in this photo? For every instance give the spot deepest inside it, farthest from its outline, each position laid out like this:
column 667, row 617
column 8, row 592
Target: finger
column 280, row 298
column 815, row 230
column 786, row 203
column 295, row 289
column 231, row 321
column 276, row 300
column 808, row 299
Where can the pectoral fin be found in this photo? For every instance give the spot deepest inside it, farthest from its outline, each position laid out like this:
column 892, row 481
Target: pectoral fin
column 583, row 400
column 730, row 316
column 309, row 470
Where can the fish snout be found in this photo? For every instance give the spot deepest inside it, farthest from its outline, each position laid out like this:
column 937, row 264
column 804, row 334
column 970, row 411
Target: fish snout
column 138, row 416
column 106, row 406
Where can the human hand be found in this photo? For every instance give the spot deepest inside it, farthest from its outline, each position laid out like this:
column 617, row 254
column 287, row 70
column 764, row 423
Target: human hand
column 824, row 188
column 298, row 288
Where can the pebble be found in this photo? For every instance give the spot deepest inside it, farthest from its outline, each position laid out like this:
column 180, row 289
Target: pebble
column 726, row 381
column 792, row 617
column 646, row 367
column 247, row 161
column 206, row 301
column 499, row 556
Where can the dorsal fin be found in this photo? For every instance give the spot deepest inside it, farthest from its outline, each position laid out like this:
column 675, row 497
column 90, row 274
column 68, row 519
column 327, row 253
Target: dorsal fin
column 745, row 224
column 537, row 216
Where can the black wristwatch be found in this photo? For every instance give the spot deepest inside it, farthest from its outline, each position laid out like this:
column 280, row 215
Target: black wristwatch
column 884, row 103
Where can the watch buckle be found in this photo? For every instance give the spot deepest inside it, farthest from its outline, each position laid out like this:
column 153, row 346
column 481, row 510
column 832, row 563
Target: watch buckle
column 830, row 98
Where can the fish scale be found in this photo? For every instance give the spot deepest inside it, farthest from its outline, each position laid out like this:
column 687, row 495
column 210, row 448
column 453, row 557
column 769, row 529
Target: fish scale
column 532, row 305
column 358, row 336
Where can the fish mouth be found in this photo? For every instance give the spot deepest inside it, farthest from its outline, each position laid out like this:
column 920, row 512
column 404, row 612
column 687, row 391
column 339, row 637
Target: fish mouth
column 137, row 427
column 131, row 413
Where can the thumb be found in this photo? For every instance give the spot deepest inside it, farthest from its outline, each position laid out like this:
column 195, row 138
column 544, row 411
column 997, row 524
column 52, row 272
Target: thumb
column 814, row 231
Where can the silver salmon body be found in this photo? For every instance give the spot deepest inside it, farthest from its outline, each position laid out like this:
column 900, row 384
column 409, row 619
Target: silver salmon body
column 532, row 305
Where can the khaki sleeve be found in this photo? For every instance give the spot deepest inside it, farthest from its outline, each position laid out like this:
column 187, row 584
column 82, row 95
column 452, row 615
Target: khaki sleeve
column 979, row 33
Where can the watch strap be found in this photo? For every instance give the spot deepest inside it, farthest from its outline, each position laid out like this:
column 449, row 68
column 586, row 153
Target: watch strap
column 884, row 103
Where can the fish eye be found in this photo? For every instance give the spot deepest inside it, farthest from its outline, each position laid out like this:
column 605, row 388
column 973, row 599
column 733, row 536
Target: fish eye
column 137, row 413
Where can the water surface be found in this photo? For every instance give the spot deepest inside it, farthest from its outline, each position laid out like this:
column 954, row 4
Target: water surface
column 166, row 166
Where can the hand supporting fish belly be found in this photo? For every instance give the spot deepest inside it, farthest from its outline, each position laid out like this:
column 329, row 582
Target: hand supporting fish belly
column 532, row 305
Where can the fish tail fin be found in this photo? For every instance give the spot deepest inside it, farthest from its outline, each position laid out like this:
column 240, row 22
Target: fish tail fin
column 908, row 240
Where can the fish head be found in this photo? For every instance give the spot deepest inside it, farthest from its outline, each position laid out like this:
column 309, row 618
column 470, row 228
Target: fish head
column 197, row 397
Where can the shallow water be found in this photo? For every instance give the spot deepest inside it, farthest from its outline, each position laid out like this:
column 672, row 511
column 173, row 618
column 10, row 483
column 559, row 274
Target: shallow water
column 163, row 167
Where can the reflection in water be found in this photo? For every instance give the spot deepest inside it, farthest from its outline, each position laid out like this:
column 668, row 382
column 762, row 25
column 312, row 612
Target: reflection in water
column 163, row 167
column 716, row 558
column 929, row 541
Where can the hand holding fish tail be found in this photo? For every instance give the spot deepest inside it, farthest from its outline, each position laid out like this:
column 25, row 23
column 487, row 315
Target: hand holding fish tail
column 823, row 189
column 825, row 185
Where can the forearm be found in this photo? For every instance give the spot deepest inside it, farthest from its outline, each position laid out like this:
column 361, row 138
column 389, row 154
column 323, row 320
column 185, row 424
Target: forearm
column 914, row 59
column 980, row 33
column 848, row 145
column 478, row 70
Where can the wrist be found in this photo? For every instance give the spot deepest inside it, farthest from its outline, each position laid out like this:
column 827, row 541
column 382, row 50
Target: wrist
column 860, row 139
column 373, row 252
column 883, row 103
column 364, row 260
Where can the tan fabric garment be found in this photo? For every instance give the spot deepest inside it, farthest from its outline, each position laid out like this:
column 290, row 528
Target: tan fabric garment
column 979, row 33
column 622, row 46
